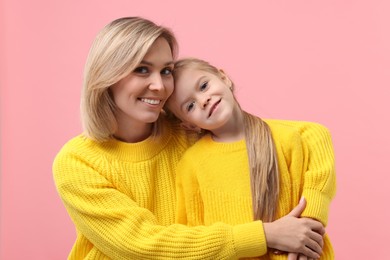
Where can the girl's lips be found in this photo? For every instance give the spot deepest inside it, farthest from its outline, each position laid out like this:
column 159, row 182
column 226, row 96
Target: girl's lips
column 214, row 107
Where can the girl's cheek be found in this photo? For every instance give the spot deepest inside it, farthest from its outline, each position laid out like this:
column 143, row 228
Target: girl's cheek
column 169, row 85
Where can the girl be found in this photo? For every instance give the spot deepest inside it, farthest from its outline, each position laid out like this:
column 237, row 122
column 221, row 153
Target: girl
column 117, row 178
column 276, row 159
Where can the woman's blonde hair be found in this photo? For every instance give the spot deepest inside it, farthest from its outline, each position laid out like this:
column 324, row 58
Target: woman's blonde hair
column 263, row 164
column 116, row 51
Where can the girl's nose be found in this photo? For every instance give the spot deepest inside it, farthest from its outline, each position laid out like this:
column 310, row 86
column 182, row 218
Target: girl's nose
column 205, row 102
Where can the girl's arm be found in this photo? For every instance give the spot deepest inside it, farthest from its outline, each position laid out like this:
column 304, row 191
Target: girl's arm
column 295, row 234
column 319, row 180
column 289, row 233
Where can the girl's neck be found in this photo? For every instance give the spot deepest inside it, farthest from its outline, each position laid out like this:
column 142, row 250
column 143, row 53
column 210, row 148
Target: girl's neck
column 232, row 131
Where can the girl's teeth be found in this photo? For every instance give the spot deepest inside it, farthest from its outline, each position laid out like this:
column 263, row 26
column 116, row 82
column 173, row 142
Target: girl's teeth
column 151, row 101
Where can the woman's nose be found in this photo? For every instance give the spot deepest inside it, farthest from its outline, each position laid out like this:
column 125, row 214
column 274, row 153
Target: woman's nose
column 156, row 83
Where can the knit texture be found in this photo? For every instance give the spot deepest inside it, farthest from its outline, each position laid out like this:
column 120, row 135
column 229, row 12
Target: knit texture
column 213, row 181
column 121, row 198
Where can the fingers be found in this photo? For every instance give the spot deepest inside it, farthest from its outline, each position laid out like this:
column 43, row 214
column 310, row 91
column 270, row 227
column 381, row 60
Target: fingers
column 295, row 234
column 295, row 256
column 314, row 247
column 303, row 257
column 317, row 238
column 309, row 253
column 316, row 226
column 313, row 228
column 319, row 228
column 297, row 211
column 292, row 256
column 313, row 244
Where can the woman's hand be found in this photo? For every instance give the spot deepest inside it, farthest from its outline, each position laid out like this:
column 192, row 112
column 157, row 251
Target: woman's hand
column 295, row 256
column 298, row 235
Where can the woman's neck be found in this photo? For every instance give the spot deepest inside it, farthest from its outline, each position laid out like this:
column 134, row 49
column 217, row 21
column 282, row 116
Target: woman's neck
column 233, row 130
column 133, row 133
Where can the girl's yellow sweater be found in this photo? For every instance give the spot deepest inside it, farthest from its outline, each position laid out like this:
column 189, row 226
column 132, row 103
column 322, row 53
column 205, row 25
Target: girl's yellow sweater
column 214, row 183
column 121, row 198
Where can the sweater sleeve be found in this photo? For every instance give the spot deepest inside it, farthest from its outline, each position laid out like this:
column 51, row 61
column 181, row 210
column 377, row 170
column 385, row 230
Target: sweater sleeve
column 319, row 185
column 121, row 229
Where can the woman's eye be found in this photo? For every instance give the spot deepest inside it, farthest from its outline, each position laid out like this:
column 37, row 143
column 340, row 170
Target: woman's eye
column 203, row 86
column 141, row 70
column 190, row 106
column 166, row 71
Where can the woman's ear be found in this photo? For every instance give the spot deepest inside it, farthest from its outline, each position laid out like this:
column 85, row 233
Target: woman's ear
column 190, row 127
column 225, row 78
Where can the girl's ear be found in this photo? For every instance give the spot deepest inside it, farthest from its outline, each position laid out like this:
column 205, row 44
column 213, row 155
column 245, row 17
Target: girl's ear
column 190, row 127
column 225, row 78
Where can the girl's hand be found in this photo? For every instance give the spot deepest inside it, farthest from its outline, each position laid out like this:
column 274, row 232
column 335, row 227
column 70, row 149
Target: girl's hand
column 293, row 234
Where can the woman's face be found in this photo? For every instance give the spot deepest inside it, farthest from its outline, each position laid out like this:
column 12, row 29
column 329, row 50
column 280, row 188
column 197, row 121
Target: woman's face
column 141, row 95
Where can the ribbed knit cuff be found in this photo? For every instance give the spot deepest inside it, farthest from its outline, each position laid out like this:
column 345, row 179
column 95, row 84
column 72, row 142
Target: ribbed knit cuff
column 317, row 206
column 250, row 239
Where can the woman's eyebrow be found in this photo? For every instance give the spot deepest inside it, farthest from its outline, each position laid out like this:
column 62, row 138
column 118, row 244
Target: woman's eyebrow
column 151, row 63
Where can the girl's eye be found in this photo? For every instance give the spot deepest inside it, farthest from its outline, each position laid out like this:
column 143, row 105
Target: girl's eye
column 141, row 70
column 204, row 85
column 166, row 71
column 190, row 106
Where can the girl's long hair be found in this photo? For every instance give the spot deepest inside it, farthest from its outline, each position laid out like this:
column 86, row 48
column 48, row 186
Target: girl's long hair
column 263, row 165
column 262, row 157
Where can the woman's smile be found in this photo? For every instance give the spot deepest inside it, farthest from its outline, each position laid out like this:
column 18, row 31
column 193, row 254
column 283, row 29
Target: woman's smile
column 151, row 101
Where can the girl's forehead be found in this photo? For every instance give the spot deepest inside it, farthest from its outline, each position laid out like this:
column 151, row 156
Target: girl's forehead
column 191, row 74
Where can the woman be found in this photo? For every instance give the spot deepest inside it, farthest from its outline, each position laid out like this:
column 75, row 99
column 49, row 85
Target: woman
column 117, row 179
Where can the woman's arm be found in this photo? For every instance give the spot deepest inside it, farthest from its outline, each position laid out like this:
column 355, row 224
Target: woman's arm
column 119, row 228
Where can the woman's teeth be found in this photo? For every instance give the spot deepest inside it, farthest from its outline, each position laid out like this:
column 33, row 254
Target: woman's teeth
column 151, row 101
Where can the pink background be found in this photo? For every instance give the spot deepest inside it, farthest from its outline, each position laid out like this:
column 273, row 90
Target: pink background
column 324, row 61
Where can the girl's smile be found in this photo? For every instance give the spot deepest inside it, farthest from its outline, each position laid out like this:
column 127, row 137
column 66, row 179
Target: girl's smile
column 214, row 107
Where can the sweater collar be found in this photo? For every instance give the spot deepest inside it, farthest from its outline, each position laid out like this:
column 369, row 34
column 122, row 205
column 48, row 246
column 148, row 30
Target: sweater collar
column 140, row 151
column 208, row 141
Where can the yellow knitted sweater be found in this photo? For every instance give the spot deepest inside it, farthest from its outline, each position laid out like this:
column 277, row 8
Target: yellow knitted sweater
column 213, row 182
column 121, row 198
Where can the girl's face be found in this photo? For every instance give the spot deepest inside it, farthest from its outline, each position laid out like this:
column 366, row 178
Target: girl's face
column 141, row 95
column 203, row 99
